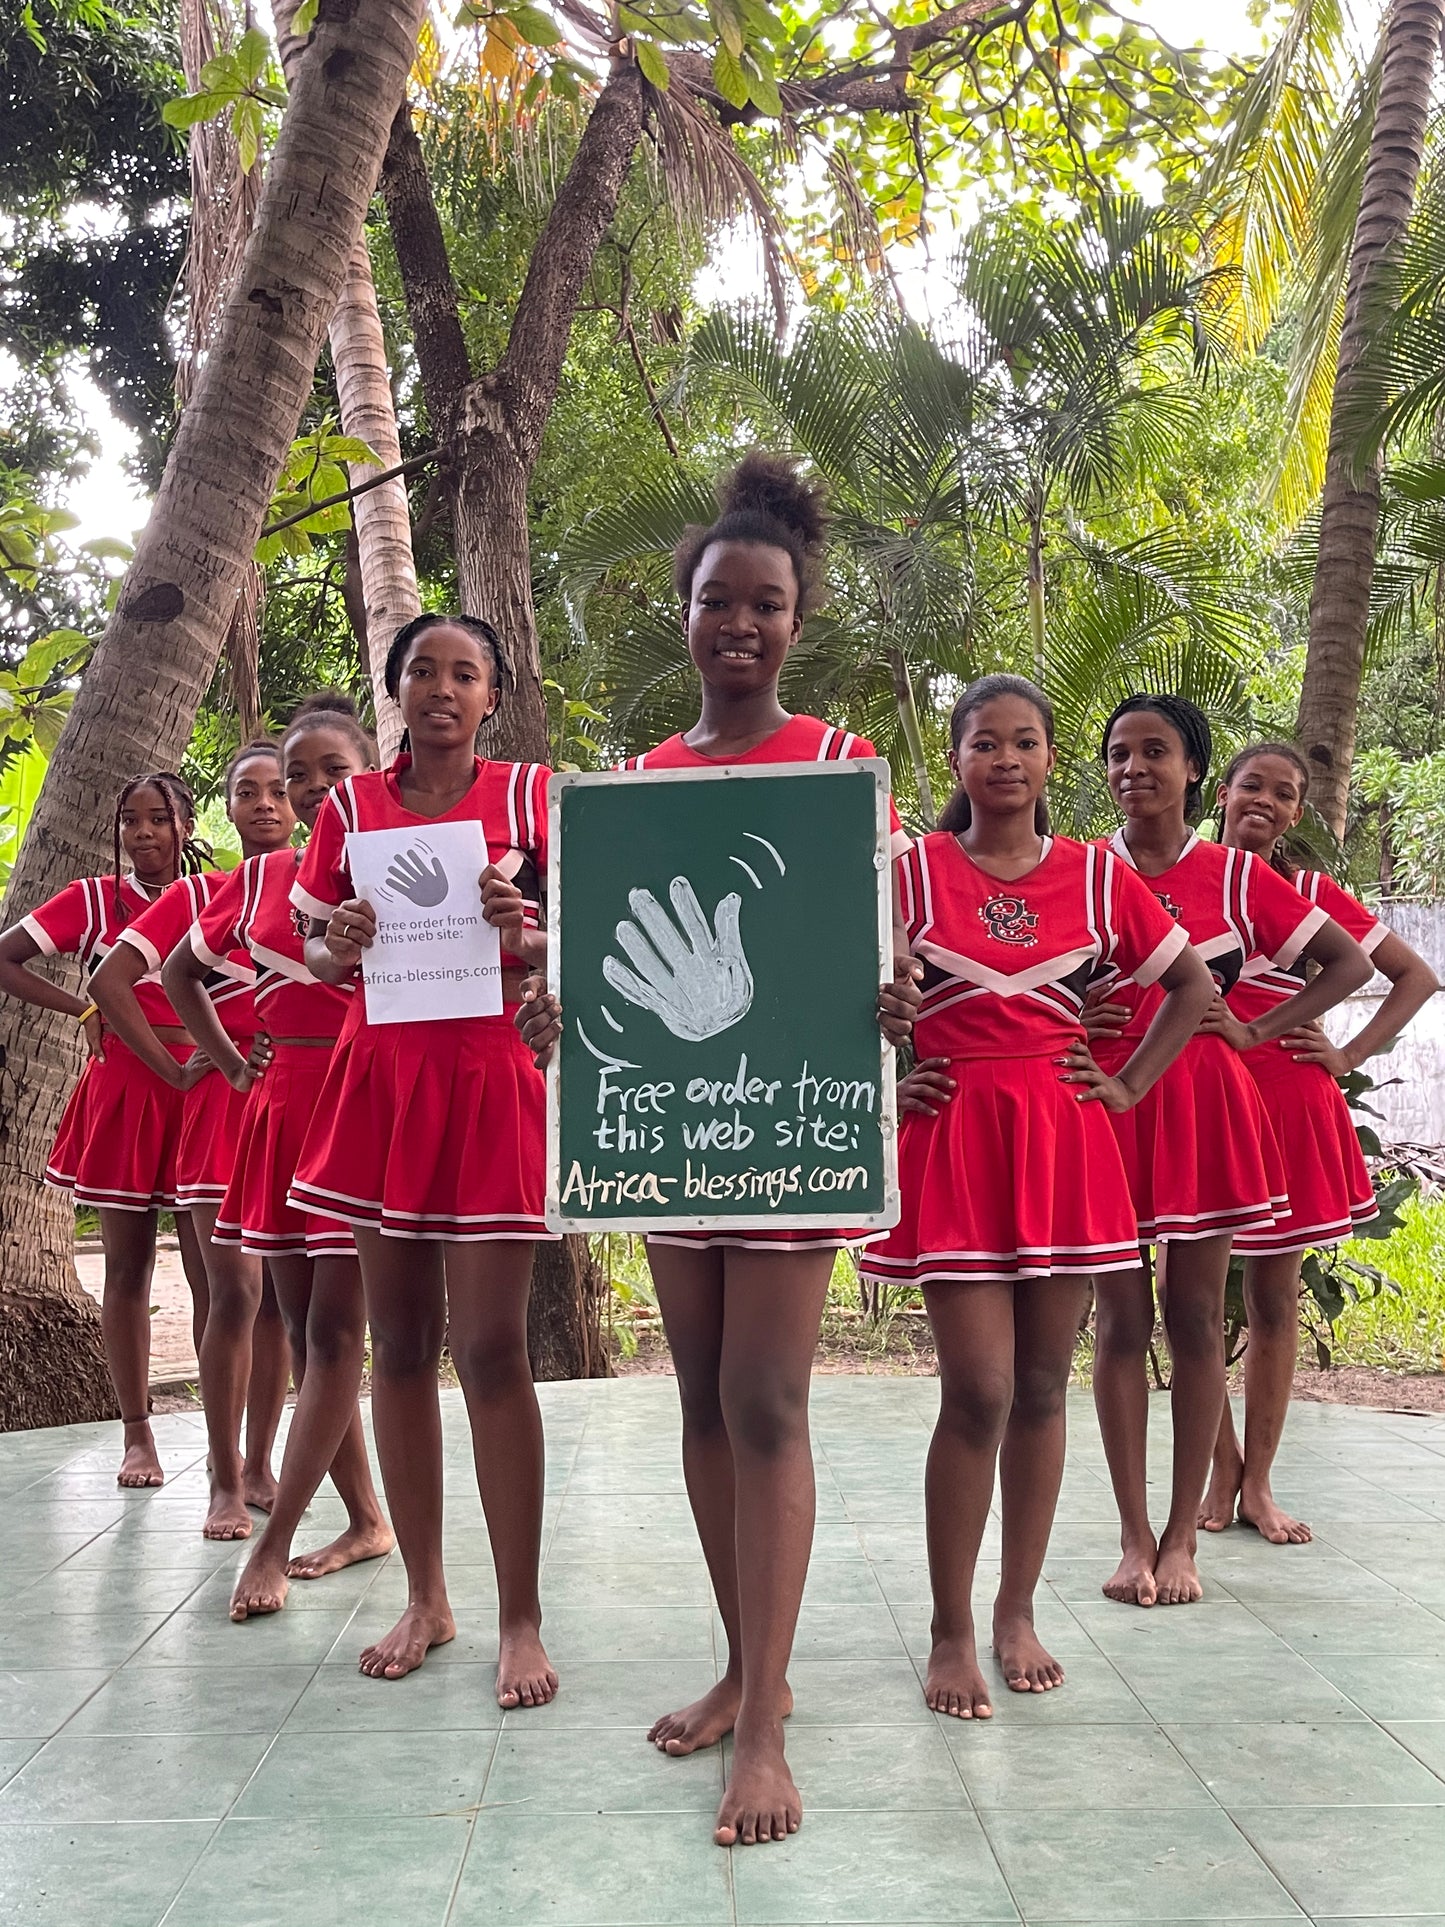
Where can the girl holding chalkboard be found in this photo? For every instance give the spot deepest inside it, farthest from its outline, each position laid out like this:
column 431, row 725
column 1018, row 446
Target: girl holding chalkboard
column 742, row 1309
column 1014, row 1193
column 116, row 1147
column 312, row 1259
column 427, row 1139
column 1204, row 1166
column 241, row 1333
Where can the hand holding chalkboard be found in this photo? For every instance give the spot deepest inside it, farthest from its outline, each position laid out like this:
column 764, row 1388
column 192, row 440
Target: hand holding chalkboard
column 698, row 982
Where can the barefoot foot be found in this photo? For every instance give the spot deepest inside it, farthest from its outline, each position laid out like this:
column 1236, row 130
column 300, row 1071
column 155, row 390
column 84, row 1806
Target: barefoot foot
column 1217, row 1512
column 1133, row 1583
column 404, row 1648
column 226, row 1517
column 356, row 1545
column 955, row 1683
column 1175, row 1574
column 262, row 1587
column 260, row 1489
column 524, row 1672
column 1022, row 1658
column 139, row 1464
column 761, row 1801
column 1258, row 1509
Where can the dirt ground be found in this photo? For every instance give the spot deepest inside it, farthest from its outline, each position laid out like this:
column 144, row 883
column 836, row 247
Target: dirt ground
column 173, row 1359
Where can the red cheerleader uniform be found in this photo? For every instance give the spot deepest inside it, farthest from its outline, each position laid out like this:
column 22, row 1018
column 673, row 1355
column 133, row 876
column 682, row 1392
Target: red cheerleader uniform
column 1015, row 1178
column 116, row 1147
column 429, row 1130
column 802, row 739
column 1329, row 1186
column 252, row 911
column 211, row 1113
column 1201, row 1155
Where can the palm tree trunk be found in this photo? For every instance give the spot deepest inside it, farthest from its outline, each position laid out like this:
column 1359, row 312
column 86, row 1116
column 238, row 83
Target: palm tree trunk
column 382, row 517
column 912, row 735
column 137, row 703
column 1350, row 506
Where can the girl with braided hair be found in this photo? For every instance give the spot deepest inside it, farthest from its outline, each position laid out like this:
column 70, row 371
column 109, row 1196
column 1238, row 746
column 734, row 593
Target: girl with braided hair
column 1261, row 799
column 1201, row 1157
column 117, row 1143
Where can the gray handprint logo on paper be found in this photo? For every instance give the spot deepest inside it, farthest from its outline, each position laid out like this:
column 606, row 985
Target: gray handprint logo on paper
column 424, row 884
column 694, row 978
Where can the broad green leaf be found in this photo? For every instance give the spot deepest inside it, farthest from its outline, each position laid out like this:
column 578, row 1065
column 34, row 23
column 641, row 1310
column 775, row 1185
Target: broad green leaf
column 305, row 16
column 253, row 55
column 762, row 88
column 729, row 78
column 221, row 75
column 654, row 67
column 728, row 19
column 191, row 109
column 350, row 448
column 246, row 125
column 537, row 28
column 108, row 548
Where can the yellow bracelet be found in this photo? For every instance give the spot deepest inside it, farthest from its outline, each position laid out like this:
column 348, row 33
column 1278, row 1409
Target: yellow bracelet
column 91, row 1010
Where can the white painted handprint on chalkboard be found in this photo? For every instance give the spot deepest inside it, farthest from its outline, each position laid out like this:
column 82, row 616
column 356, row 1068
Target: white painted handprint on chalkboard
column 698, row 982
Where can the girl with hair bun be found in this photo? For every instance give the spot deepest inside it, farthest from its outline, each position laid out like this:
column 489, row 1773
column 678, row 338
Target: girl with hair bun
column 116, row 1147
column 242, row 1330
column 742, row 1308
column 427, row 1139
column 1013, row 1190
column 311, row 1259
column 1202, row 1159
column 1261, row 799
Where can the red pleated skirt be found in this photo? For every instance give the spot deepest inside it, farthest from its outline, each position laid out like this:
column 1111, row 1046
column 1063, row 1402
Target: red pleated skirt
column 429, row 1131
column 1330, row 1193
column 210, row 1131
column 1199, row 1150
column 118, row 1140
column 1015, row 1178
column 254, row 1213
column 785, row 1238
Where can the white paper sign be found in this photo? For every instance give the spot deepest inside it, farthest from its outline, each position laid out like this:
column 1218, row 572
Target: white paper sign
column 434, row 956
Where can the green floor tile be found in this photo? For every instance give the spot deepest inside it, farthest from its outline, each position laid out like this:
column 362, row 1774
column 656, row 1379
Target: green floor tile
column 1425, row 1739
column 327, row 1873
column 1019, row 1767
column 599, row 1585
column 888, row 1867
column 1315, row 1627
column 590, row 1870
column 95, row 1876
column 1154, row 1866
column 34, row 1704
column 124, row 1590
column 75, row 1639
column 338, row 1592
column 1339, row 1860
column 1389, row 1686
column 599, row 1769
column 1251, row 1687
column 874, row 1769
column 1094, row 1692
column 283, row 1639
column 631, row 1693
column 1340, row 1763
column 193, row 1699
column 573, row 1633
column 13, row 1755
column 870, row 1692
column 393, row 1775
column 868, row 1631
column 94, row 1778
column 459, row 1699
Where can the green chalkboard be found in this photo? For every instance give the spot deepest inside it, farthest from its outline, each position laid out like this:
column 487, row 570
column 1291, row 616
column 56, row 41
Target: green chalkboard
column 718, row 941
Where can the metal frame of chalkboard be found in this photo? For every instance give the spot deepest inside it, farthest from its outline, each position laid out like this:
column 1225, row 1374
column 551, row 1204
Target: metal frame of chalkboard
column 562, row 781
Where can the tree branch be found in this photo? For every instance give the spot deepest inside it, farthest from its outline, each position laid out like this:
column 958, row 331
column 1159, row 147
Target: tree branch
column 357, row 488
column 426, row 275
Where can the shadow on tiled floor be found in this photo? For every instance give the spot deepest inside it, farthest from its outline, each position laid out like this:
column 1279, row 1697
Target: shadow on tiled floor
column 1276, row 1752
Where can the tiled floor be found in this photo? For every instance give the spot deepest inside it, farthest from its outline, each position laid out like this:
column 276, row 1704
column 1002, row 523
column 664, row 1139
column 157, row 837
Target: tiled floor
column 1274, row 1753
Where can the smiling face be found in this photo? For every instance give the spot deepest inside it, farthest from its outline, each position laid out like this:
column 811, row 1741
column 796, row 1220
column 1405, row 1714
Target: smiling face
column 1149, row 773
column 257, row 804
column 1004, row 757
column 317, row 759
column 1265, row 799
column 447, row 687
column 147, row 835
column 742, row 618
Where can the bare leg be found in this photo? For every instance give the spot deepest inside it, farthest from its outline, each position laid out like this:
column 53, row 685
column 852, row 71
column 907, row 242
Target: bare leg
column 1216, row 1513
column 1271, row 1295
column 193, row 1264
column 488, row 1286
column 1194, row 1324
column 1124, row 1322
column 326, row 1323
column 265, row 1395
column 690, row 1296
column 406, row 1307
column 1047, row 1314
column 973, row 1326
column 773, row 1305
column 129, row 1238
column 225, row 1358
